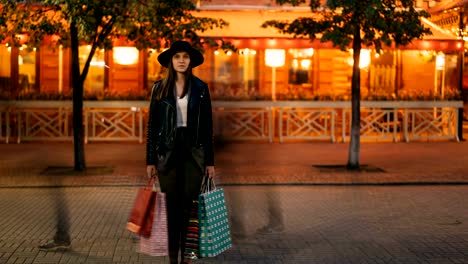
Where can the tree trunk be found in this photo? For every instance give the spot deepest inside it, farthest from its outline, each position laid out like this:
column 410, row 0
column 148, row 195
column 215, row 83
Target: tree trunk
column 77, row 82
column 354, row 146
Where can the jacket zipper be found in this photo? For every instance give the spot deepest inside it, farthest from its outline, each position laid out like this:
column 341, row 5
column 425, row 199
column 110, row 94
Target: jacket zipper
column 169, row 104
column 172, row 126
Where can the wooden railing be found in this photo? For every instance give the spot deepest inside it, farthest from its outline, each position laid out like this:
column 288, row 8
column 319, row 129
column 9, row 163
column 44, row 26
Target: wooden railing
column 4, row 123
column 238, row 120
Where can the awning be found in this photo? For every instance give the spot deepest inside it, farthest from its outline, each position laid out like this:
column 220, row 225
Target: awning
column 245, row 31
column 446, row 5
column 438, row 33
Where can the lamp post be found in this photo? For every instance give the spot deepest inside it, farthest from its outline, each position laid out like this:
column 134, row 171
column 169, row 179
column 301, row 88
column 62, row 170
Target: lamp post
column 274, row 58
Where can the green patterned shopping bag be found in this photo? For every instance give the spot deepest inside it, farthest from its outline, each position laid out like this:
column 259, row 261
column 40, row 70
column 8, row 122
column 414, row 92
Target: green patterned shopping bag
column 215, row 235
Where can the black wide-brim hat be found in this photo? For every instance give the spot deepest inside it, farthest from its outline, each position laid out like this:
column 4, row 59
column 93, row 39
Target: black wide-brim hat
column 196, row 58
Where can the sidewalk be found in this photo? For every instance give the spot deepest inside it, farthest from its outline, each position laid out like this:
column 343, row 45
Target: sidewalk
column 324, row 218
column 41, row 164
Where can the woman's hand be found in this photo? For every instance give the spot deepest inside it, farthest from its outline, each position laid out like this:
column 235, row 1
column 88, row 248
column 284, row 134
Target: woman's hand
column 151, row 171
column 210, row 171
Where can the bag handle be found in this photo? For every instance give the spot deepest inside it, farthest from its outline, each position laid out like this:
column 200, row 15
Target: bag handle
column 151, row 184
column 207, row 184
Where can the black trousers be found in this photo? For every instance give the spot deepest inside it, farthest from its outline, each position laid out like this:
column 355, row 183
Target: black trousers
column 181, row 185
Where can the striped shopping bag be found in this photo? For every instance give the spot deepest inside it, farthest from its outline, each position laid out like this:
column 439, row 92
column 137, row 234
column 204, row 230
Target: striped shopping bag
column 157, row 244
column 215, row 235
column 192, row 242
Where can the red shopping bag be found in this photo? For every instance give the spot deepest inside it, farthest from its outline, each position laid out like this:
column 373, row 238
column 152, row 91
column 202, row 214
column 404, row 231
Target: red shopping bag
column 141, row 216
column 157, row 244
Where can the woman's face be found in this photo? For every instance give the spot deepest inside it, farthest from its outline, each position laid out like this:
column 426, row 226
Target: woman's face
column 181, row 61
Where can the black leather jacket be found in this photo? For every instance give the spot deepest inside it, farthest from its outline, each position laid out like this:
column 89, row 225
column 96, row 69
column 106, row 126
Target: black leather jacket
column 162, row 125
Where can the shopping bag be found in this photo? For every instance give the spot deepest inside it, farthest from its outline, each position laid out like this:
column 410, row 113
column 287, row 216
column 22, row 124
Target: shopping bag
column 141, row 216
column 192, row 243
column 157, row 244
column 215, row 236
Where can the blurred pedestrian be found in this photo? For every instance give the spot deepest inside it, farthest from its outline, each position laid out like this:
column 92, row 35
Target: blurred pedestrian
column 61, row 239
column 275, row 222
column 179, row 146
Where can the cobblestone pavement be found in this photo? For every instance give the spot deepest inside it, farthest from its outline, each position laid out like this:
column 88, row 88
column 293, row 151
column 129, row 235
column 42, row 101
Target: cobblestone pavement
column 412, row 210
column 321, row 224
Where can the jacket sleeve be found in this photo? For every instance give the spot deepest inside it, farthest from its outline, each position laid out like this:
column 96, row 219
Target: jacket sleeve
column 151, row 155
column 208, row 113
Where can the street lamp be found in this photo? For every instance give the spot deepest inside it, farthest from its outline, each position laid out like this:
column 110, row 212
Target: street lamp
column 274, row 58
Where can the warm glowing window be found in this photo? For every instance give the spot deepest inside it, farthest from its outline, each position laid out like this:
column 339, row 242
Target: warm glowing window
column 223, row 73
column 27, row 68
column 125, row 55
column 5, row 69
column 248, row 74
column 364, row 58
column 95, row 79
column 300, row 67
column 155, row 70
column 235, row 73
column 380, row 73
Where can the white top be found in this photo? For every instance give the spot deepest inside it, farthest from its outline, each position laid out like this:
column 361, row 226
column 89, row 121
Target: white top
column 182, row 111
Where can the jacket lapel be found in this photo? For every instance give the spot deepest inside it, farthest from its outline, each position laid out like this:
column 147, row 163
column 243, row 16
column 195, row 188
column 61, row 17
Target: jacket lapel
column 194, row 99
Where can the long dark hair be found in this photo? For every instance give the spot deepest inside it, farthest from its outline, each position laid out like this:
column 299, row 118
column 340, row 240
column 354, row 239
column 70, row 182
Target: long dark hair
column 168, row 82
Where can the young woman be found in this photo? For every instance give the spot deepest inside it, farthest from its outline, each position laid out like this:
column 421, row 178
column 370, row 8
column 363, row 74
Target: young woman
column 179, row 146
